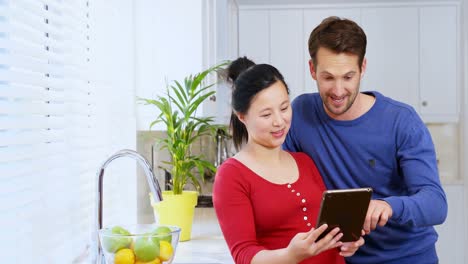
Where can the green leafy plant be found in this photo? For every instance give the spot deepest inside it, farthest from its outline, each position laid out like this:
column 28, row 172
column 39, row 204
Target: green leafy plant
column 178, row 113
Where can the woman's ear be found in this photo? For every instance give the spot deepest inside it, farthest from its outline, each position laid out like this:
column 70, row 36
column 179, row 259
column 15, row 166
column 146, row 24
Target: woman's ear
column 241, row 117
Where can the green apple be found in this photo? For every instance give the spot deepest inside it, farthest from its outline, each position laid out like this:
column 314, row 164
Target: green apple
column 112, row 242
column 146, row 249
column 163, row 230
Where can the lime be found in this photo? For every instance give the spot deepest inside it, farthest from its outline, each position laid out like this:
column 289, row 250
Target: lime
column 112, row 242
column 145, row 249
column 124, row 256
column 163, row 230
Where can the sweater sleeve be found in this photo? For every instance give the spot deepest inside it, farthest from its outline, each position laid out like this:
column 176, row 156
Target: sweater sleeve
column 234, row 211
column 426, row 203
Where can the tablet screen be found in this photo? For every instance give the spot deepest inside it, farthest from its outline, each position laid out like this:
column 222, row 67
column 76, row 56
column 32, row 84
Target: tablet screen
column 346, row 209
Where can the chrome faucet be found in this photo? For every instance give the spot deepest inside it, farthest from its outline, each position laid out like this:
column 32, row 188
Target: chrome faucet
column 152, row 182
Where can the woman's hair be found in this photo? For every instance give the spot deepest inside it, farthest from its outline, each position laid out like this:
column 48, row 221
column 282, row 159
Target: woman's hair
column 248, row 80
column 339, row 35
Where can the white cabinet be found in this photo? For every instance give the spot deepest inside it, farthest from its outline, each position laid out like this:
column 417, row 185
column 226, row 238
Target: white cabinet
column 287, row 48
column 438, row 62
column 392, row 53
column 275, row 37
column 254, row 35
column 412, row 50
column 413, row 58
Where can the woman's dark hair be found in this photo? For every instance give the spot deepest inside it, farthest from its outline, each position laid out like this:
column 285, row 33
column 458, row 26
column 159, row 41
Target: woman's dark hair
column 248, row 80
column 339, row 35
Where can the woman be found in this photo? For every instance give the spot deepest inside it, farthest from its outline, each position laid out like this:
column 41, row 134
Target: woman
column 267, row 199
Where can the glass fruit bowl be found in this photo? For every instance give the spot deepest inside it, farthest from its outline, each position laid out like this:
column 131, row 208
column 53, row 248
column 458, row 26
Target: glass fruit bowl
column 139, row 244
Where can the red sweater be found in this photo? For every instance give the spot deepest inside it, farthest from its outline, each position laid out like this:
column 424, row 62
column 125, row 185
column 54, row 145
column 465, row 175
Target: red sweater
column 255, row 214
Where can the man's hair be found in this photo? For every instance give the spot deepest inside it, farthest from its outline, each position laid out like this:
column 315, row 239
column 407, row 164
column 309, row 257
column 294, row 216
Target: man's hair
column 338, row 35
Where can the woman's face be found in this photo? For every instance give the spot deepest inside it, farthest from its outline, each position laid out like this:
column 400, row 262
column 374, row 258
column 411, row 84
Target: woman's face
column 269, row 117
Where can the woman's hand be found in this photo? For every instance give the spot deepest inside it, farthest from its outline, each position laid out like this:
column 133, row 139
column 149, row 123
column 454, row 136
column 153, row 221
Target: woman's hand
column 349, row 248
column 304, row 245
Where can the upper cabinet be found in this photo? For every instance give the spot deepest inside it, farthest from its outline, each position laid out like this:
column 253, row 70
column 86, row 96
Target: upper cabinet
column 414, row 58
column 286, row 47
column 254, row 35
column 392, row 53
column 412, row 52
column 275, row 37
column 438, row 71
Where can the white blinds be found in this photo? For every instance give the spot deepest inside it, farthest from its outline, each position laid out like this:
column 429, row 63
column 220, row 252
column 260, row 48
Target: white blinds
column 57, row 125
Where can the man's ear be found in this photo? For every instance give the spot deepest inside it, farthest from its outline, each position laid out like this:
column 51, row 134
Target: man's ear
column 312, row 69
column 363, row 67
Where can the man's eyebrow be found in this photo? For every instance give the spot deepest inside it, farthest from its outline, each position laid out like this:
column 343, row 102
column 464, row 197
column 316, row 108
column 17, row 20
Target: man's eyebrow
column 328, row 73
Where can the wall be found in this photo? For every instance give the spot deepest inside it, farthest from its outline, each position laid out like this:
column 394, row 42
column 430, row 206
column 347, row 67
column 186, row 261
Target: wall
column 111, row 63
column 168, row 46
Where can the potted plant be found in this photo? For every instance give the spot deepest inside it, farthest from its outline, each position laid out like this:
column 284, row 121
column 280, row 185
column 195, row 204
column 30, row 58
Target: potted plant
column 178, row 112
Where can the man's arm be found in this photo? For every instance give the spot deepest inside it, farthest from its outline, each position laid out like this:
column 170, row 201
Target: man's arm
column 425, row 203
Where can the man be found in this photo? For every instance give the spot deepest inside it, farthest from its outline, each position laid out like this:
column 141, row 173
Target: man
column 364, row 139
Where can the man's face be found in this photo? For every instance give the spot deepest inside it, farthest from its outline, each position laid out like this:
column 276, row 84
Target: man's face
column 338, row 77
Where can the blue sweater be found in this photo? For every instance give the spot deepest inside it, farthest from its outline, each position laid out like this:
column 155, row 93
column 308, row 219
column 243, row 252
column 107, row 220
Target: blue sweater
column 389, row 149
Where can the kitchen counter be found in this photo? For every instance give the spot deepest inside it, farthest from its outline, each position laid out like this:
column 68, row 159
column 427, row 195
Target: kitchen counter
column 207, row 244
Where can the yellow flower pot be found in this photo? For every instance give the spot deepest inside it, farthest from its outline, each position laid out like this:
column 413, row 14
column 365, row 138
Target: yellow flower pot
column 176, row 210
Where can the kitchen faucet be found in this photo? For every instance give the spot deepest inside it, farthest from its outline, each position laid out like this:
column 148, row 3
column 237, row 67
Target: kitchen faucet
column 152, row 182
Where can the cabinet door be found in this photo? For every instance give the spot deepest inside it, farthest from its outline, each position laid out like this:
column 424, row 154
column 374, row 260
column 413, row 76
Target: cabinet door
column 392, row 53
column 286, row 47
column 312, row 18
column 438, row 63
column 254, row 35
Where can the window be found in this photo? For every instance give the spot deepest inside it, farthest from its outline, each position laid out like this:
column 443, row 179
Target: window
column 66, row 104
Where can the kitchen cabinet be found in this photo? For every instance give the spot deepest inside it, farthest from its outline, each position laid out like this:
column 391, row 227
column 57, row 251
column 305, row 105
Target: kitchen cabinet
column 438, row 63
column 392, row 52
column 254, row 35
column 412, row 51
column 414, row 58
column 275, row 37
column 287, row 48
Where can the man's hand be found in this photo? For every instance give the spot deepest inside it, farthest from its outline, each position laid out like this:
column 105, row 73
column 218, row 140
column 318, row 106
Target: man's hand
column 378, row 213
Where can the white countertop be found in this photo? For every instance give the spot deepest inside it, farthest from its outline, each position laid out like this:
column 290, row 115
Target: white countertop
column 207, row 244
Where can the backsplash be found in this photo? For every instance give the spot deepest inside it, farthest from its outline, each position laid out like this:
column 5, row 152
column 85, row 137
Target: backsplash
column 446, row 137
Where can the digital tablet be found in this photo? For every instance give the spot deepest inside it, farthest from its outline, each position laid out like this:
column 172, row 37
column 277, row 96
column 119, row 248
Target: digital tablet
column 346, row 209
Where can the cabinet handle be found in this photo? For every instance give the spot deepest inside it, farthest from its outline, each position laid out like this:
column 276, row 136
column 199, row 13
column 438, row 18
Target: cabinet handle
column 424, row 103
column 213, row 98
